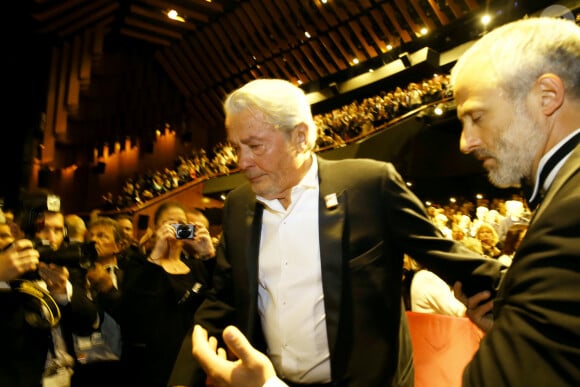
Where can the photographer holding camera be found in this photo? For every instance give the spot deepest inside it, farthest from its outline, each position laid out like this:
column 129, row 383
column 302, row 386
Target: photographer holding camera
column 24, row 347
column 161, row 294
column 40, row 301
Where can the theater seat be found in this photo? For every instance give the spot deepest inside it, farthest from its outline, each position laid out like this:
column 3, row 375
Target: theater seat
column 442, row 346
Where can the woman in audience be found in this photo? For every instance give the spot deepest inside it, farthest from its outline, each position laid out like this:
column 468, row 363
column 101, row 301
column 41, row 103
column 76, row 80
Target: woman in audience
column 489, row 240
column 160, row 296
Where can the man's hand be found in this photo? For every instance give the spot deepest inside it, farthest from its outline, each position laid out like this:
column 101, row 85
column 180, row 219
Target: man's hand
column 99, row 278
column 55, row 276
column 478, row 309
column 18, row 258
column 252, row 369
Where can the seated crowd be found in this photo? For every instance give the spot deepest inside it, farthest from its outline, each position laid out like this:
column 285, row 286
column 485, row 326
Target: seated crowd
column 336, row 128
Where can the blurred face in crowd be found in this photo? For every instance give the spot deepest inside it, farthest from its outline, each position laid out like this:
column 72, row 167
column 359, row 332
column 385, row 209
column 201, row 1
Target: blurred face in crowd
column 457, row 233
column 53, row 230
column 270, row 159
column 505, row 134
column 127, row 227
column 193, row 218
column 171, row 215
column 104, row 237
column 486, row 235
column 6, row 236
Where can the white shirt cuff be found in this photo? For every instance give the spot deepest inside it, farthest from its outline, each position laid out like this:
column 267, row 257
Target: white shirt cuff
column 274, row 381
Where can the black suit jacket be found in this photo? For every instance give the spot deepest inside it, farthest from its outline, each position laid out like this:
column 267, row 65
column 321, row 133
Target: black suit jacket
column 362, row 243
column 154, row 317
column 24, row 348
column 535, row 340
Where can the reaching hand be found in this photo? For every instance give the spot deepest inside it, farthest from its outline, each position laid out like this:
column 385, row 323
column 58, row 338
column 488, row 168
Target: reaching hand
column 252, row 369
column 55, row 276
column 478, row 310
column 17, row 258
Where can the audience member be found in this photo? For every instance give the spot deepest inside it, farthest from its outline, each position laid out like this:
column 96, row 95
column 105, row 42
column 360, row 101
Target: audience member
column 40, row 303
column 428, row 293
column 160, row 296
column 98, row 353
column 489, row 240
column 67, row 281
column 129, row 245
column 310, row 261
column 76, row 228
column 24, row 345
column 459, row 234
column 125, row 221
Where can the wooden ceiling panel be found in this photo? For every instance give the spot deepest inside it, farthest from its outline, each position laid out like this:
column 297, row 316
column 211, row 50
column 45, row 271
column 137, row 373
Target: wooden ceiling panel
column 223, row 43
column 371, row 52
column 307, row 66
column 443, row 19
column 328, row 16
column 230, row 47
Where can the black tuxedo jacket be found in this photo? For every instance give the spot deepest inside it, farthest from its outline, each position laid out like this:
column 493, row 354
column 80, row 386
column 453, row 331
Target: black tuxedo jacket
column 535, row 340
column 362, row 241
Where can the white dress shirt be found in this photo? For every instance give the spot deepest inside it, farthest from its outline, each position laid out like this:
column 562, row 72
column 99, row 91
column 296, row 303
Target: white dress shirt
column 430, row 294
column 290, row 296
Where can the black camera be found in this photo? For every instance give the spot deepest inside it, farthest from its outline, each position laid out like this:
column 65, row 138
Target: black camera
column 78, row 255
column 184, row 231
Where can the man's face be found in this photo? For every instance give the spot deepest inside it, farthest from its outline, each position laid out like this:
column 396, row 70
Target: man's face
column 104, row 238
column 127, row 227
column 266, row 155
column 499, row 131
column 53, row 230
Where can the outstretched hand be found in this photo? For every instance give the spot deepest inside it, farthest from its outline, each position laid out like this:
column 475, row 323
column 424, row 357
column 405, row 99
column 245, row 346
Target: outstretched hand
column 479, row 307
column 251, row 369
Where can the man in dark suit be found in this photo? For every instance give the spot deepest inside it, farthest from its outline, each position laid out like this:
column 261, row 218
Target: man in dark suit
column 24, row 346
column 518, row 96
column 38, row 305
column 309, row 266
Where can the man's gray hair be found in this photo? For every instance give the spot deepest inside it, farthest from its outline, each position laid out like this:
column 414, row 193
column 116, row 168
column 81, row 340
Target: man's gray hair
column 283, row 104
column 521, row 51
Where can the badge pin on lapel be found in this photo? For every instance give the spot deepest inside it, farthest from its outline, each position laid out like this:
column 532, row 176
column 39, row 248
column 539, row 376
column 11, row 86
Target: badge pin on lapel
column 331, row 201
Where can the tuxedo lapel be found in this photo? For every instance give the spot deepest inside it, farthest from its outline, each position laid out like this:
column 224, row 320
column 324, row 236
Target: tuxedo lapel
column 568, row 169
column 252, row 226
column 331, row 218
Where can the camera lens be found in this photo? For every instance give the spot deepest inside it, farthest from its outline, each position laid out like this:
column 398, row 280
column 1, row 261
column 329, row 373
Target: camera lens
column 183, row 232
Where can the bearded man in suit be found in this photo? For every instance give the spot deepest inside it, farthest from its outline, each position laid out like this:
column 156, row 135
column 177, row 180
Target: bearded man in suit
column 518, row 96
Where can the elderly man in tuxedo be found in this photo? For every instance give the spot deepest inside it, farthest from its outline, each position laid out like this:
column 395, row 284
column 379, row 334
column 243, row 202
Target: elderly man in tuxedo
column 309, row 266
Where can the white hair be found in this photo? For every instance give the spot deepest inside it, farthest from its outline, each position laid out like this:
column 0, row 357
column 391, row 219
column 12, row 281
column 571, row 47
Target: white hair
column 520, row 51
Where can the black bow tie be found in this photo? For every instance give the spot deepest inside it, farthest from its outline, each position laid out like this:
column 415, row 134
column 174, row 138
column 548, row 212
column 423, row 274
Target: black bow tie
column 551, row 163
